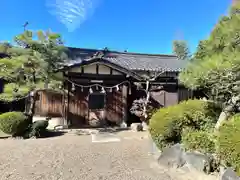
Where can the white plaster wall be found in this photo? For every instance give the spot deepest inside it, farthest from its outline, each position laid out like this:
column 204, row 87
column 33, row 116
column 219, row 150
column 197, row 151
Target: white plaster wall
column 116, row 73
column 90, row 69
column 75, row 69
column 103, row 69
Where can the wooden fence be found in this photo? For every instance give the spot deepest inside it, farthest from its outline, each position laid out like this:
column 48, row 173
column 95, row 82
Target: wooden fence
column 49, row 103
column 75, row 108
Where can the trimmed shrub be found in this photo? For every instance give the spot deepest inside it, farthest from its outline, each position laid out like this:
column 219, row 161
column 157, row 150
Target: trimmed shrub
column 167, row 124
column 198, row 140
column 38, row 128
column 14, row 123
column 164, row 128
column 229, row 143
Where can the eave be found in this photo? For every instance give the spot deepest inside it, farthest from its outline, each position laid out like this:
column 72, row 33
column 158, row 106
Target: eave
column 104, row 61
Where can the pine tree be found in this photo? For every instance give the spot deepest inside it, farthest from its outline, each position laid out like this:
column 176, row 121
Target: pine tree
column 30, row 63
column 181, row 50
column 215, row 66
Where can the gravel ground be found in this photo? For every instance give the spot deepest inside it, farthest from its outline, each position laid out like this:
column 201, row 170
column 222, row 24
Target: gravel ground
column 72, row 157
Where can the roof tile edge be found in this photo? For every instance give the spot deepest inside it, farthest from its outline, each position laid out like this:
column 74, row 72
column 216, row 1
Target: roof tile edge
column 122, row 52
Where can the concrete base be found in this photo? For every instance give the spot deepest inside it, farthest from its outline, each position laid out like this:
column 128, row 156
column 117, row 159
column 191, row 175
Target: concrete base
column 123, row 125
column 56, row 122
column 53, row 123
column 145, row 126
column 39, row 118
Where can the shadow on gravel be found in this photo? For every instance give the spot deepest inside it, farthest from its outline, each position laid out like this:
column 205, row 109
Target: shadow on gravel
column 6, row 137
column 112, row 130
column 50, row 134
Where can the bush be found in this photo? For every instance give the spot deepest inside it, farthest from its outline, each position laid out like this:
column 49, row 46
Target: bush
column 166, row 125
column 38, row 128
column 14, row 123
column 229, row 144
column 198, row 140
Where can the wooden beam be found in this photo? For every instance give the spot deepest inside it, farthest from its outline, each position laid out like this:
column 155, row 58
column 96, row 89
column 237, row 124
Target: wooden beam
column 85, row 75
column 97, row 68
column 96, row 76
column 160, row 83
column 89, row 82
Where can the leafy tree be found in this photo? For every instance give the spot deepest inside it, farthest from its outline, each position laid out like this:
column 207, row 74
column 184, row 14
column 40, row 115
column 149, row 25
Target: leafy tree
column 12, row 62
column 29, row 63
column 48, row 46
column 215, row 66
column 181, row 50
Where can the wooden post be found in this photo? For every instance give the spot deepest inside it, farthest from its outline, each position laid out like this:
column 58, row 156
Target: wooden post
column 125, row 106
column 68, row 99
column 65, row 106
column 164, row 98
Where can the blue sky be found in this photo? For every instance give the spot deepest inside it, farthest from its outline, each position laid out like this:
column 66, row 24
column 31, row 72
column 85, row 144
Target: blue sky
column 147, row 26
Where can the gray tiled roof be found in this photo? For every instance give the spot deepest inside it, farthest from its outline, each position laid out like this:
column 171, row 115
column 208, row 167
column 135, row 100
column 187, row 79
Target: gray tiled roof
column 131, row 61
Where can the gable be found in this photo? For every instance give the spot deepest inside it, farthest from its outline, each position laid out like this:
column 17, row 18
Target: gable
column 100, row 66
column 95, row 68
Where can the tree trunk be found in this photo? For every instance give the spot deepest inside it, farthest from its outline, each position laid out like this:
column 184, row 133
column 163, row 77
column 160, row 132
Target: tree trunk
column 46, row 84
column 145, row 106
column 222, row 118
column 146, row 102
column 32, row 103
column 226, row 112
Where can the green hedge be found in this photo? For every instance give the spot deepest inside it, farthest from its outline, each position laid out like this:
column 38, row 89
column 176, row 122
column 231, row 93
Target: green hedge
column 167, row 124
column 14, row 123
column 229, row 143
column 198, row 140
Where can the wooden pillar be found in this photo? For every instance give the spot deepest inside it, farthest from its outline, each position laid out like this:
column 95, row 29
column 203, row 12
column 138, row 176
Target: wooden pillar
column 68, row 99
column 178, row 89
column 65, row 106
column 125, row 106
column 164, row 98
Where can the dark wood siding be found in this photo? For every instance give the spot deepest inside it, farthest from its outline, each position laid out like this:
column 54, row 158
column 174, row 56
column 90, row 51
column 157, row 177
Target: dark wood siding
column 184, row 94
column 78, row 111
column 167, row 96
column 49, row 103
column 78, row 107
column 159, row 97
column 114, row 106
column 119, row 106
column 110, row 107
column 171, row 95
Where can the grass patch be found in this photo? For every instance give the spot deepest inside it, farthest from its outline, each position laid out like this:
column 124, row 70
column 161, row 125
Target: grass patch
column 3, row 135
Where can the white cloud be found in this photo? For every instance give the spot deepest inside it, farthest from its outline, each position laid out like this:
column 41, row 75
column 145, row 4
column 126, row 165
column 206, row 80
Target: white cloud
column 72, row 13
